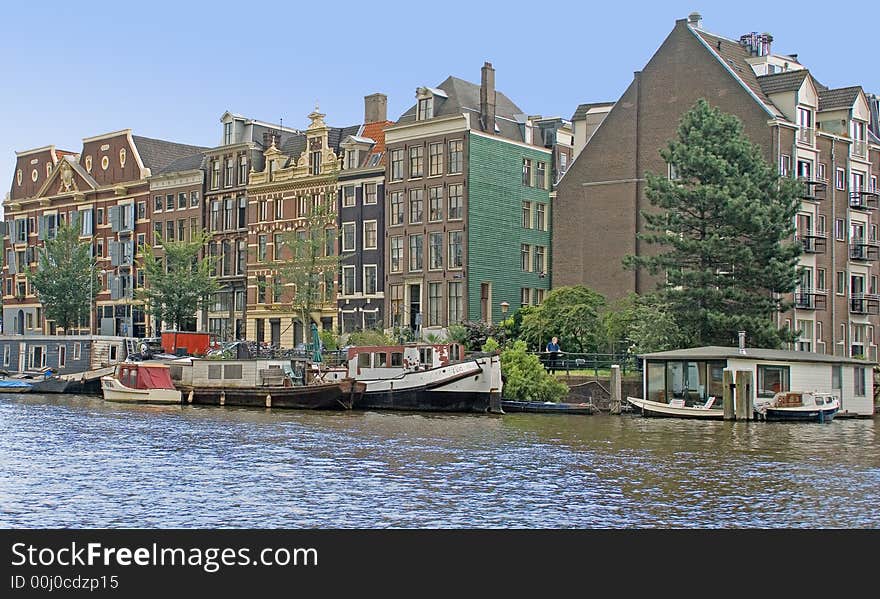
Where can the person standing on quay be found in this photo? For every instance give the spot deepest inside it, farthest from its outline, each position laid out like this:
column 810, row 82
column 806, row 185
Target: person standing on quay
column 553, row 351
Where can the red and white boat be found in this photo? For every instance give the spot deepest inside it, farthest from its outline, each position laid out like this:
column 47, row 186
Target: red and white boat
column 140, row 382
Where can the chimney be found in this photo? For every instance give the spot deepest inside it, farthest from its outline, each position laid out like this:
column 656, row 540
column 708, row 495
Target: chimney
column 695, row 20
column 487, row 98
column 757, row 44
column 375, row 108
column 742, row 342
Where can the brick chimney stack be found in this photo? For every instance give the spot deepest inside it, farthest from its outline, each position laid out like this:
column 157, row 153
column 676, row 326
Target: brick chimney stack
column 487, row 98
column 375, row 108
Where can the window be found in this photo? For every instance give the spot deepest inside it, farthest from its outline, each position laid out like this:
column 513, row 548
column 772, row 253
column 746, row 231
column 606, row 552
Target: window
column 456, row 160
column 215, row 215
column 141, row 211
column 820, row 171
column 396, row 165
column 784, row 165
column 242, row 257
column 525, row 297
column 100, row 218
column 169, row 201
column 227, row 257
column 541, row 175
column 329, row 242
column 370, row 234
column 261, row 247
column 456, row 202
column 315, row 163
column 228, row 214
column 396, row 304
column 435, row 204
column 840, row 229
column 370, row 193
column 181, row 200
column 261, row 289
column 277, row 245
column 85, row 219
column 435, row 251
column 242, row 170
column 538, row 297
column 859, row 381
column 415, row 253
column 526, row 257
column 348, row 280
column 841, row 282
column 539, row 258
column 141, row 242
column 169, row 230
column 264, row 210
column 242, row 212
column 396, row 254
column 454, row 299
column 370, row 279
column 348, row 196
column 181, row 229
column 227, row 134
column 348, row 237
column 772, row 380
column 426, row 108
column 455, row 249
column 279, row 208
column 416, row 161
column 540, row 218
column 435, row 300
column 351, row 158
column 840, row 178
column 527, row 215
column 820, row 279
column 396, row 208
column 805, row 335
column 435, row 159
column 158, row 204
column 527, row 172
column 416, row 205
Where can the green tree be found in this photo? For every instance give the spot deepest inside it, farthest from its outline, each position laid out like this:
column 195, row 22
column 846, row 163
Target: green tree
column 178, row 283
column 525, row 378
column 723, row 227
column 570, row 313
column 66, row 279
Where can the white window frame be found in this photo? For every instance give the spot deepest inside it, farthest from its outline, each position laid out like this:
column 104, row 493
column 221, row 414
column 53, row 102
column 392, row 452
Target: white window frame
column 353, row 247
column 345, row 279
column 375, row 234
column 375, row 278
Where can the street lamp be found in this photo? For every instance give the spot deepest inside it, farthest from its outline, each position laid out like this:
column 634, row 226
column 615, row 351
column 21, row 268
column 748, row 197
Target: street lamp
column 505, row 306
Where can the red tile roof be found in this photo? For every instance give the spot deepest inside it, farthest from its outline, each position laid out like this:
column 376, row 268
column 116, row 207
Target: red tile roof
column 376, row 132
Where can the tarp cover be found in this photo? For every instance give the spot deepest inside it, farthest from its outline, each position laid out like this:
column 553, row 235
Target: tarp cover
column 154, row 378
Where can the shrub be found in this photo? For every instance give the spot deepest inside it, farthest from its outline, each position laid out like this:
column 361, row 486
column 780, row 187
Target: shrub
column 525, row 378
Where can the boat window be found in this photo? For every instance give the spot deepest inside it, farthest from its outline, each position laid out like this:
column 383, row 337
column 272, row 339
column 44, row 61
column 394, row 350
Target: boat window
column 772, row 380
column 656, row 382
column 364, row 360
column 232, row 371
column 214, row 371
column 133, row 379
column 426, row 356
column 396, row 359
column 455, row 351
column 176, row 372
column 686, row 381
column 819, row 401
column 380, row 360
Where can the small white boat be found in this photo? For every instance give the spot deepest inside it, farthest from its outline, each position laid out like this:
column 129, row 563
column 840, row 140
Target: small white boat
column 140, row 382
column 799, row 406
column 706, row 411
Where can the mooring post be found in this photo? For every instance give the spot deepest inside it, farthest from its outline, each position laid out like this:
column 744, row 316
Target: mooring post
column 268, row 400
column 189, row 398
column 744, row 401
column 223, row 398
column 616, row 389
column 727, row 394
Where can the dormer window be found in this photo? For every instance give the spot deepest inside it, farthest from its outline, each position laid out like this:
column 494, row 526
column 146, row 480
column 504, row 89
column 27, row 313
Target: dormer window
column 351, row 158
column 227, row 133
column 426, row 108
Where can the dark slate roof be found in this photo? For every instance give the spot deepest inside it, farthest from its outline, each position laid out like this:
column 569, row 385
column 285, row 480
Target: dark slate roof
column 582, row 109
column 156, row 154
column 464, row 96
column 293, row 146
column 336, row 134
column 187, row 163
column 714, row 352
column 844, row 97
column 734, row 56
column 789, row 81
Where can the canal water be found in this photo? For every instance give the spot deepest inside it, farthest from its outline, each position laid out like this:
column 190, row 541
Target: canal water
column 72, row 461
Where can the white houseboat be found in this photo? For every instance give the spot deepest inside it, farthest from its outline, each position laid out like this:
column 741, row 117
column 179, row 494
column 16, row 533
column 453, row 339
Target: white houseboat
column 693, row 378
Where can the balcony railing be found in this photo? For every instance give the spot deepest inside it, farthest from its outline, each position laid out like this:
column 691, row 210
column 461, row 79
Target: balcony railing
column 863, row 199
column 806, row 135
column 813, row 189
column 864, row 303
column 810, row 299
column 813, row 241
column 859, row 148
column 863, row 250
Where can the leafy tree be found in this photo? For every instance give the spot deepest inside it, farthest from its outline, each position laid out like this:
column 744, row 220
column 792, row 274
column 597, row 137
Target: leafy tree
column 66, row 279
column 525, row 378
column 368, row 337
column 570, row 313
column 724, row 230
column 178, row 283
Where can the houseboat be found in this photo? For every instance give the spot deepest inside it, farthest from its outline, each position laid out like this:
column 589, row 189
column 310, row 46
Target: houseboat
column 261, row 383
column 423, row 377
column 682, row 382
column 140, row 382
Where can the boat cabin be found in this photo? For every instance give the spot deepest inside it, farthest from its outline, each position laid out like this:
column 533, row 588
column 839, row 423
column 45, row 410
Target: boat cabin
column 144, row 375
column 689, row 377
column 382, row 361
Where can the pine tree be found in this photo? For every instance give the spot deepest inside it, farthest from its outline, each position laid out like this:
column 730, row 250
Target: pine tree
column 724, row 225
column 66, row 279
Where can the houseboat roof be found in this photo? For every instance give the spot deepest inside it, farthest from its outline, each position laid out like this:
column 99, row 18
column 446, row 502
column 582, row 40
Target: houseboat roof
column 714, row 352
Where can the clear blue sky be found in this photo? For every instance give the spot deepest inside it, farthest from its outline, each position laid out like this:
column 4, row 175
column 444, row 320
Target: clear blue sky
column 170, row 69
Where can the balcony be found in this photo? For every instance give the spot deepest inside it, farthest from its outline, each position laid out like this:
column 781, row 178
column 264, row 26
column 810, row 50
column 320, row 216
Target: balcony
column 863, row 199
column 864, row 251
column 806, row 135
column 813, row 241
column 812, row 189
column 859, row 149
column 864, row 303
column 810, row 299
